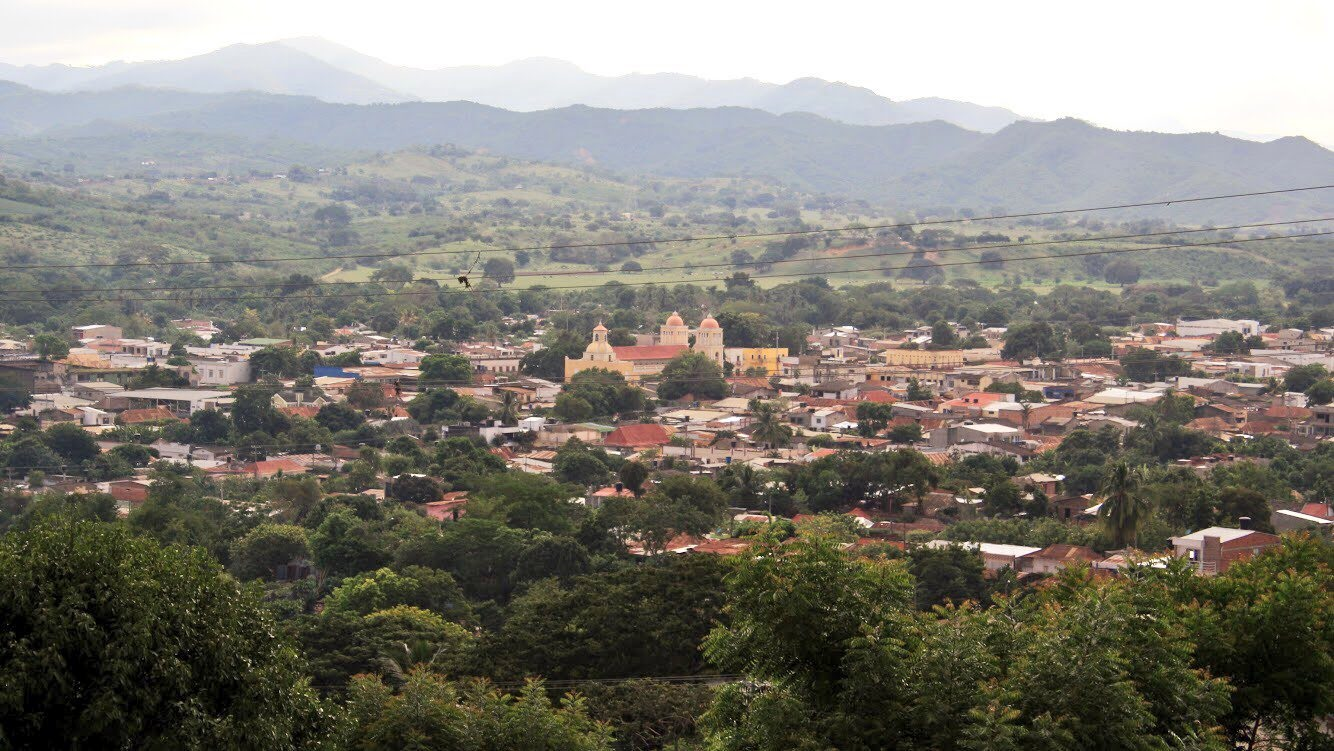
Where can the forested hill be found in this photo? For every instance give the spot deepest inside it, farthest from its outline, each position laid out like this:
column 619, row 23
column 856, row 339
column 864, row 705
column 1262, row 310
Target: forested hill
column 1024, row 166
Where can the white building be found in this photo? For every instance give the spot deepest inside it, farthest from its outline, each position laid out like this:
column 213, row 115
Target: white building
column 221, row 372
column 1216, row 326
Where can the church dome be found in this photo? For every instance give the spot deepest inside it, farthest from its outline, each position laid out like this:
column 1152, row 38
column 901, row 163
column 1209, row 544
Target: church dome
column 709, row 322
column 599, row 327
column 675, row 319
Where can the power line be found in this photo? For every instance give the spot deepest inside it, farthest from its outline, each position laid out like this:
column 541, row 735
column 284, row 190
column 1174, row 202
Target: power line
column 655, row 241
column 731, row 264
column 410, row 293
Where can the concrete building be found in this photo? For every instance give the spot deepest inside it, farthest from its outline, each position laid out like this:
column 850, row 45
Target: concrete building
column 1216, row 326
column 1212, row 550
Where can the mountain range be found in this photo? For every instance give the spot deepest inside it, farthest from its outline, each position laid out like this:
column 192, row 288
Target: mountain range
column 1026, row 165
column 312, row 66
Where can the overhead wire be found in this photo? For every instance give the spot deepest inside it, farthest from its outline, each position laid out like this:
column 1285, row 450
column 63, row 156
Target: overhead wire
column 731, row 264
column 699, row 238
column 824, row 273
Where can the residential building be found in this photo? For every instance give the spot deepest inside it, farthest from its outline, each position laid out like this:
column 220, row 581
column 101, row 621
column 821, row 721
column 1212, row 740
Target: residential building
column 1211, row 551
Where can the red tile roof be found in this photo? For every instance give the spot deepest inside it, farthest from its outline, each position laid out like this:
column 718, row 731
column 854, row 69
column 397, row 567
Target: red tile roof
column 307, row 411
column 634, row 436
column 650, row 352
column 723, row 547
column 151, row 414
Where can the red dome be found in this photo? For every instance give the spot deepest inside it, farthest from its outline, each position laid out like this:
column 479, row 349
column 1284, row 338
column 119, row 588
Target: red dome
column 708, row 323
column 675, row 319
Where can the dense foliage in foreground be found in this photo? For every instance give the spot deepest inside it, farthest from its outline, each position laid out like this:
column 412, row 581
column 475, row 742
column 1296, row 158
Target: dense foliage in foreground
column 113, row 641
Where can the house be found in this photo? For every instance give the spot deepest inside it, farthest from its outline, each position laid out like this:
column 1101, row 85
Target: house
column 181, row 402
column 1050, row 485
column 1211, row 551
column 595, row 499
column 1055, row 557
column 450, row 507
column 95, row 331
column 835, row 390
column 226, row 371
column 1070, row 507
column 1311, row 516
column 637, row 436
column 995, row 556
column 131, row 491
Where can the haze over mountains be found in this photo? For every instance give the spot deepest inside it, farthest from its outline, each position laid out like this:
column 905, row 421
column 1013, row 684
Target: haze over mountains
column 307, row 100
column 1027, row 165
column 316, row 67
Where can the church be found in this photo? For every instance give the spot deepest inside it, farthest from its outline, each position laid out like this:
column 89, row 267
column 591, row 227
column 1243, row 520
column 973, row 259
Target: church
column 638, row 361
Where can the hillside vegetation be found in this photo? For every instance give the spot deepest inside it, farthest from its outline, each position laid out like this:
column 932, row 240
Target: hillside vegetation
column 1026, row 166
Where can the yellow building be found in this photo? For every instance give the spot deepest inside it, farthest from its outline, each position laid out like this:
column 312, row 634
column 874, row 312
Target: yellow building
column 635, row 362
column 748, row 358
column 924, row 358
column 599, row 354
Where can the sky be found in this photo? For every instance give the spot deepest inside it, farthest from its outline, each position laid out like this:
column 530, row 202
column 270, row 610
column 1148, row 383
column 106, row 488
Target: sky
column 1259, row 67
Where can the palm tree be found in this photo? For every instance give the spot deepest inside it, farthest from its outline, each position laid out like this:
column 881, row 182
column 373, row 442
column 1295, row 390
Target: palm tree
column 742, row 481
column 1124, row 509
column 767, row 426
column 509, row 408
column 1027, row 411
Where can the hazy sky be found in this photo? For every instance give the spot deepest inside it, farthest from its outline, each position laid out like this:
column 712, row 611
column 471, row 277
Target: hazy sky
column 1259, row 66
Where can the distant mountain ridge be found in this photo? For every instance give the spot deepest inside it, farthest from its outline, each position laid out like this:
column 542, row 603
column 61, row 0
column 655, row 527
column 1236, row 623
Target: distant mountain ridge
column 1027, row 165
column 310, row 66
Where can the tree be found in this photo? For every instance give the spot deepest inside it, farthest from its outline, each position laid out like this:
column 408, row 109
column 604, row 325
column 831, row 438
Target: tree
column 1230, row 343
column 480, row 553
column 637, row 621
column 466, row 715
column 1321, row 392
column 1265, row 626
column 604, row 391
column 411, row 488
column 943, row 335
column 908, row 433
column 1304, row 377
column 498, row 270
column 279, row 362
column 917, row 392
column 633, row 475
column 1124, row 508
column 576, row 463
column 71, row 443
column 767, row 425
column 1147, row 366
column 13, row 394
column 1026, row 341
column 154, row 376
column 333, row 215
column 942, row 575
column 50, row 347
column 446, row 369
column 872, row 417
column 210, row 426
column 142, row 669
column 415, row 586
column 344, row 545
column 1234, row 503
column 692, row 373
column 1121, row 272
column 253, row 411
column 1002, row 497
column 365, row 395
column 266, row 547
column 339, row 416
